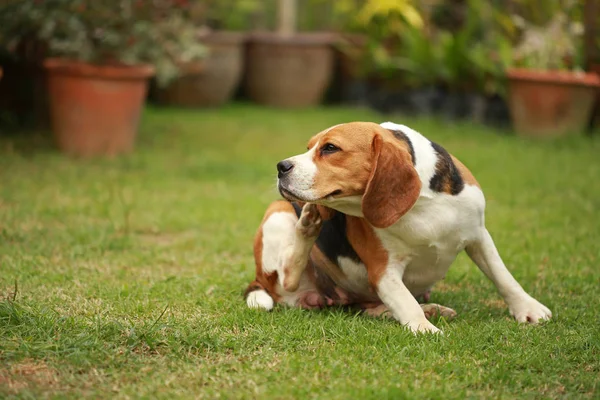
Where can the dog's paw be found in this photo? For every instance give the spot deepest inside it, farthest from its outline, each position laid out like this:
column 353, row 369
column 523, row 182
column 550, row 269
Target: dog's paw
column 310, row 222
column 530, row 310
column 435, row 310
column 260, row 299
column 423, row 326
column 380, row 311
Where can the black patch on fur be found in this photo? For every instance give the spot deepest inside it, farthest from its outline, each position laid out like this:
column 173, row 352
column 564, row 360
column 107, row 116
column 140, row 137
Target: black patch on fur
column 402, row 136
column 333, row 243
column 447, row 177
column 325, row 285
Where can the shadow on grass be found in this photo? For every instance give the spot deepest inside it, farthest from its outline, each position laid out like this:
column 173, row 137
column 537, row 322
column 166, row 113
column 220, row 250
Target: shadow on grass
column 26, row 143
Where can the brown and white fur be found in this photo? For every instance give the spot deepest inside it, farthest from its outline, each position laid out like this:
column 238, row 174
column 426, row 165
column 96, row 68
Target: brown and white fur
column 385, row 213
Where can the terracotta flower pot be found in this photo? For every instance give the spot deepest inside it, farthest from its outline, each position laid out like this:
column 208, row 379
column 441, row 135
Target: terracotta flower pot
column 550, row 103
column 289, row 71
column 95, row 110
column 211, row 82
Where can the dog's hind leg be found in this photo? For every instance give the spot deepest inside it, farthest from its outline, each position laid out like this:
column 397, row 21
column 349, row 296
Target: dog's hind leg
column 520, row 304
column 281, row 252
column 284, row 241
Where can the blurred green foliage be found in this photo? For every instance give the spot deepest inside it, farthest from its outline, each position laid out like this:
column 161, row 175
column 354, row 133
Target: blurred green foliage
column 105, row 31
column 464, row 44
column 457, row 44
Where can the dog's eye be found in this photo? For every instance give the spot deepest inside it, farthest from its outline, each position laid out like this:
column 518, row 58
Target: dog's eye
column 329, row 148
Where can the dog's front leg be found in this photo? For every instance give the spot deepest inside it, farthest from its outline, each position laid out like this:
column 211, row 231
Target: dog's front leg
column 520, row 304
column 396, row 296
column 295, row 260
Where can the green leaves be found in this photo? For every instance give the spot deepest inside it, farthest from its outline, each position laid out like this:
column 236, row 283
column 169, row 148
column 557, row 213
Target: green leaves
column 383, row 8
column 553, row 46
column 132, row 32
column 419, row 58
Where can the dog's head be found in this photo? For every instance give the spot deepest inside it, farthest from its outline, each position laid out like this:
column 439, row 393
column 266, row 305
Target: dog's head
column 358, row 168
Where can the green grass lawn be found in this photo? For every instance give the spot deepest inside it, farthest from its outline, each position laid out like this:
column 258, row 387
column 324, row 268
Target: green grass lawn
column 130, row 271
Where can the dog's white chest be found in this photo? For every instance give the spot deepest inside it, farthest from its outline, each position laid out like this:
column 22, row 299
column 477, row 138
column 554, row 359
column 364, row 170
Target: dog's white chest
column 431, row 235
column 426, row 268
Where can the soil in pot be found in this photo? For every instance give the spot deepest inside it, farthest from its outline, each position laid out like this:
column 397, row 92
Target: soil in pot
column 288, row 71
column 550, row 103
column 212, row 81
column 95, row 110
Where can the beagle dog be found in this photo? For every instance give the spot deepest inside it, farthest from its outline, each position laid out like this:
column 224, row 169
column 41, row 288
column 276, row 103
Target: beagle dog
column 375, row 215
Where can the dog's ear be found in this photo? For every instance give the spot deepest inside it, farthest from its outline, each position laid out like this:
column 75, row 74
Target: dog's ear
column 393, row 186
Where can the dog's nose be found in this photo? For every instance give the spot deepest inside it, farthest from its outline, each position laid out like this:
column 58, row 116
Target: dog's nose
column 284, row 167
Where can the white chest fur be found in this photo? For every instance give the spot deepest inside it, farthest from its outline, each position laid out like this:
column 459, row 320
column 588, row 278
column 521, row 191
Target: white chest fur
column 357, row 280
column 432, row 233
column 429, row 237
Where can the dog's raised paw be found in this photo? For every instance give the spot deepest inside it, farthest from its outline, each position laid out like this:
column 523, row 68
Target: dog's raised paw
column 310, row 221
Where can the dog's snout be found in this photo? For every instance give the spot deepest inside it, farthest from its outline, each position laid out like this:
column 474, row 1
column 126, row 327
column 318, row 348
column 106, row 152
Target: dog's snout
column 284, row 167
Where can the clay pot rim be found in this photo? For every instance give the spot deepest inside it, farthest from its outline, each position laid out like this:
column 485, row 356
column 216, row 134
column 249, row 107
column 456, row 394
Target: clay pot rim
column 110, row 71
column 223, row 37
column 554, row 77
column 296, row 39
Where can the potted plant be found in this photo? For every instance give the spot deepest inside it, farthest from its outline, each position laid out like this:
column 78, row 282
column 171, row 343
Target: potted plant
column 390, row 50
column 103, row 53
column 410, row 72
column 213, row 80
column 475, row 52
column 430, row 59
column 287, row 68
column 548, row 93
